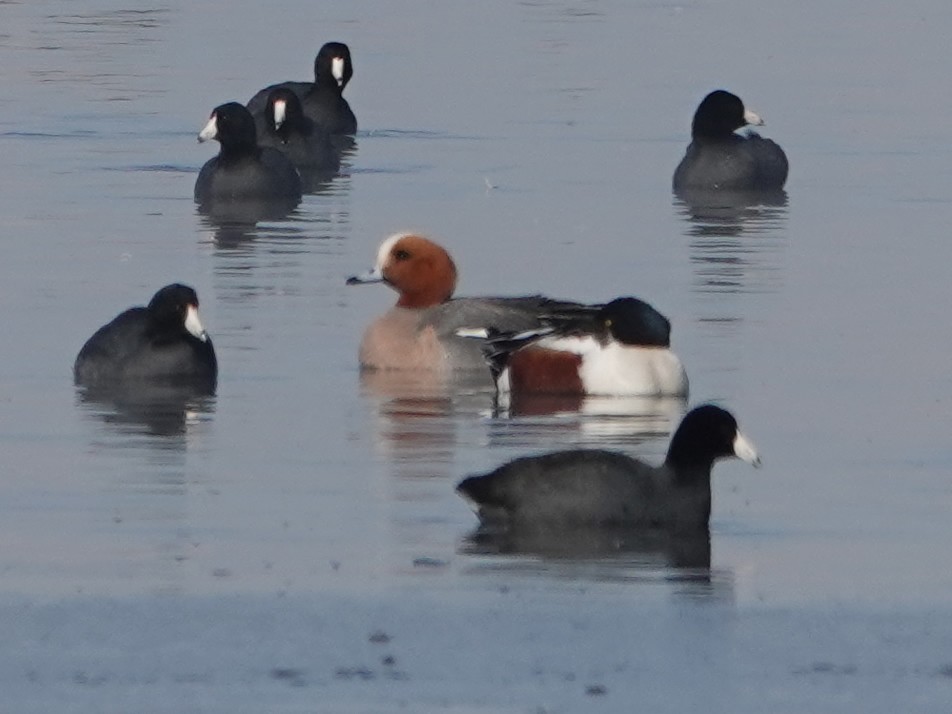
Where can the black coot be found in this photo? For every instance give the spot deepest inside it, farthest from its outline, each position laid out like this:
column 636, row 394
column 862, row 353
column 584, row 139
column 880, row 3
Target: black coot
column 162, row 342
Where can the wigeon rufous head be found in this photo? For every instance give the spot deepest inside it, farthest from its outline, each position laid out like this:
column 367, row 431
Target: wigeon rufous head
column 421, row 271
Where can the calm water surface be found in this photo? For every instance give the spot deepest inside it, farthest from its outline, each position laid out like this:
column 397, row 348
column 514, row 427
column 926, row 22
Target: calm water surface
column 271, row 547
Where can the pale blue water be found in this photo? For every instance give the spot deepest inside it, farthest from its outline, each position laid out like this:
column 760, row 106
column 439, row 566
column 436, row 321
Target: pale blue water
column 208, row 559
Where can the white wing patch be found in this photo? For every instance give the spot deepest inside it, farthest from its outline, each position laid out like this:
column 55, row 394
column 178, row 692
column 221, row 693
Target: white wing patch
column 475, row 333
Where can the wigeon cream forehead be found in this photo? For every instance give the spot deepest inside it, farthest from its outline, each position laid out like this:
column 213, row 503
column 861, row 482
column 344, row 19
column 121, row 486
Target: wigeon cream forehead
column 383, row 253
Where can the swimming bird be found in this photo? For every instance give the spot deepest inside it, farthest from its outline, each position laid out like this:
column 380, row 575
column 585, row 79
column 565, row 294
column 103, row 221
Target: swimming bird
column 593, row 487
column 720, row 160
column 243, row 170
column 618, row 349
column 423, row 330
column 284, row 127
column 322, row 99
column 162, row 342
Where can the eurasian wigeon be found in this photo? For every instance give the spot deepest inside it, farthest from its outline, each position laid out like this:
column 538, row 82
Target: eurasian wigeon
column 424, row 330
column 717, row 159
column 591, row 487
column 620, row 349
column 322, row 99
column 162, row 342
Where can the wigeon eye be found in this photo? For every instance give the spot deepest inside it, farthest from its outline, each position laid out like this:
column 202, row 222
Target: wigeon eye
column 401, row 254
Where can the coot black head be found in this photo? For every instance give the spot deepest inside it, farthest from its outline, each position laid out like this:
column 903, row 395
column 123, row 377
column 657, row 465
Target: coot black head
column 284, row 112
column 175, row 307
column 333, row 64
column 705, row 434
column 719, row 114
column 233, row 127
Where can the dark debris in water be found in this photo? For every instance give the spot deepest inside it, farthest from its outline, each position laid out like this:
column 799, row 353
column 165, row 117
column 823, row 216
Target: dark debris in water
column 379, row 637
column 429, row 563
column 366, row 674
column 89, row 680
column 827, row 668
column 294, row 677
column 156, row 168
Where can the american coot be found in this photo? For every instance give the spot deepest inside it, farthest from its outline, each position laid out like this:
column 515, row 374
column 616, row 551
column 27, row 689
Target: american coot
column 422, row 331
column 322, row 99
column 587, row 487
column 243, row 170
column 719, row 159
column 618, row 349
column 163, row 342
column 284, row 127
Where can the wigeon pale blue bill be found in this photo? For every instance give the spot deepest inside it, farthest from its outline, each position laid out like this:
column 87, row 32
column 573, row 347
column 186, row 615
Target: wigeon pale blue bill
column 422, row 330
column 590, row 487
column 322, row 100
column 620, row 349
column 243, row 170
column 718, row 159
column 162, row 342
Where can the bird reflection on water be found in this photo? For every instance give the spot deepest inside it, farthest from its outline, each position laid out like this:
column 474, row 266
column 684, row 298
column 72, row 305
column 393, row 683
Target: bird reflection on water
column 601, row 554
column 158, row 410
column 732, row 213
column 417, row 409
column 737, row 238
